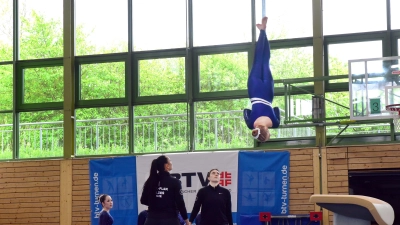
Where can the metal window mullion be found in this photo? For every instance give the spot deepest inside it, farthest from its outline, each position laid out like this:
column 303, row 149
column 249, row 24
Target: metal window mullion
column 69, row 84
column 16, row 95
column 387, row 41
column 192, row 76
column 128, row 81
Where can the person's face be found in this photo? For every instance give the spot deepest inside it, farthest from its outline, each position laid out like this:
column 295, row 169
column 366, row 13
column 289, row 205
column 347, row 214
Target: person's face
column 168, row 165
column 214, row 176
column 108, row 203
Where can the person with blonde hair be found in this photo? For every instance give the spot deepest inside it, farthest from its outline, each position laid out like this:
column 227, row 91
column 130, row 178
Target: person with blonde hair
column 260, row 86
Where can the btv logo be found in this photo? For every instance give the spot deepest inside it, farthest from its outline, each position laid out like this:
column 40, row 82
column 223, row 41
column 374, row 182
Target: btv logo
column 226, row 178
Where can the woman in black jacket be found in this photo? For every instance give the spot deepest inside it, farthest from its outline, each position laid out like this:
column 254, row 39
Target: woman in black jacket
column 162, row 193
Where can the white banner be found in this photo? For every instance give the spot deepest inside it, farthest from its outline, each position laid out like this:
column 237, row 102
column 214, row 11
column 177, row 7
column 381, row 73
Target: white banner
column 191, row 169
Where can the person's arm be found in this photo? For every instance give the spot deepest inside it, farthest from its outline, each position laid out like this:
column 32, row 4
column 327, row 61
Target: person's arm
column 246, row 116
column 229, row 208
column 180, row 203
column 141, row 218
column 144, row 199
column 197, row 205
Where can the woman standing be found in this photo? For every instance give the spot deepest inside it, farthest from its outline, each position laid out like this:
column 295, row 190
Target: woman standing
column 105, row 218
column 162, row 193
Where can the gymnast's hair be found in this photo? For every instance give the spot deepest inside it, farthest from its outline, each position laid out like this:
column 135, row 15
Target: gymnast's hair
column 157, row 166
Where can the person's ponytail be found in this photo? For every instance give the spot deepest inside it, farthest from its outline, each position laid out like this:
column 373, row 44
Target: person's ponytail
column 157, row 165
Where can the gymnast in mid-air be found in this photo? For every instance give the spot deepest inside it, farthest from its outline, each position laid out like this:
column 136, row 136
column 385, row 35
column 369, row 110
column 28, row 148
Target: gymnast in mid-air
column 260, row 87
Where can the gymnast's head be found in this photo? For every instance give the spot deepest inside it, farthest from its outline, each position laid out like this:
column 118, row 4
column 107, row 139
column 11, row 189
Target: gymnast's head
column 261, row 133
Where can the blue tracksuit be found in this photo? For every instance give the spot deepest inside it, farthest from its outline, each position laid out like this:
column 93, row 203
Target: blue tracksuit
column 260, row 86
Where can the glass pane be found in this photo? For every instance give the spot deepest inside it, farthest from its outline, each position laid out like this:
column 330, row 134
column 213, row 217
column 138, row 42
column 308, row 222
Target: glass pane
column 41, row 29
column 341, row 108
column 6, row 31
column 6, row 87
column 102, row 131
column 298, row 110
column 371, row 128
column 223, row 72
column 351, row 18
column 6, row 129
column 163, row 28
column 43, row 85
column 394, row 8
column 292, row 22
column 220, row 125
column 161, row 128
column 101, row 26
column 340, row 54
column 102, row 80
column 41, row 134
column 292, row 63
column 162, row 76
column 300, row 107
column 221, row 22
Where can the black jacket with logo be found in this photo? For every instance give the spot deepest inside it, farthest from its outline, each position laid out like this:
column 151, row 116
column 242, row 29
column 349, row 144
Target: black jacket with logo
column 167, row 200
column 216, row 206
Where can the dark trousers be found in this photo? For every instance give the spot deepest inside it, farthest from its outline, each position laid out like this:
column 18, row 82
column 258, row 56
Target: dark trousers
column 159, row 221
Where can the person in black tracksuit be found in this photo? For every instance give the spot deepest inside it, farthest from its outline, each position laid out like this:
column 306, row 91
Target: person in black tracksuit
column 162, row 193
column 215, row 202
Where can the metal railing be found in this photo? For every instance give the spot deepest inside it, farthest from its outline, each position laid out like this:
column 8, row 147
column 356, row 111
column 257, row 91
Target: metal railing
column 214, row 130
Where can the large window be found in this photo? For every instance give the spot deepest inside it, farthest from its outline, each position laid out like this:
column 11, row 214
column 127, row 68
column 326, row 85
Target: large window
column 338, row 104
column 220, row 125
column 43, row 85
column 102, row 26
column 161, row 76
column 395, row 21
column 223, row 72
column 297, row 111
column 218, row 22
column 340, row 54
column 6, row 87
column 179, row 68
column 6, row 24
column 353, row 16
column 286, row 18
column 102, row 80
column 6, row 135
column 41, row 134
column 290, row 63
column 102, row 131
column 161, row 128
column 41, row 29
column 158, row 24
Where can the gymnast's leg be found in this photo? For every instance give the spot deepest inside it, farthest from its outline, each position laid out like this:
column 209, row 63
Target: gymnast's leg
column 265, row 75
column 258, row 63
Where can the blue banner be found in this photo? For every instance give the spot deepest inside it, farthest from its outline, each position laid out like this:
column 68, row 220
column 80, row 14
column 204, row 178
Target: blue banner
column 263, row 183
column 117, row 178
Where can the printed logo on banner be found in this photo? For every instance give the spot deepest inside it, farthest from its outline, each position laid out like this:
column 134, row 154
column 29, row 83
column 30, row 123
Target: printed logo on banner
column 263, row 181
column 187, row 178
column 226, row 178
column 117, row 178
